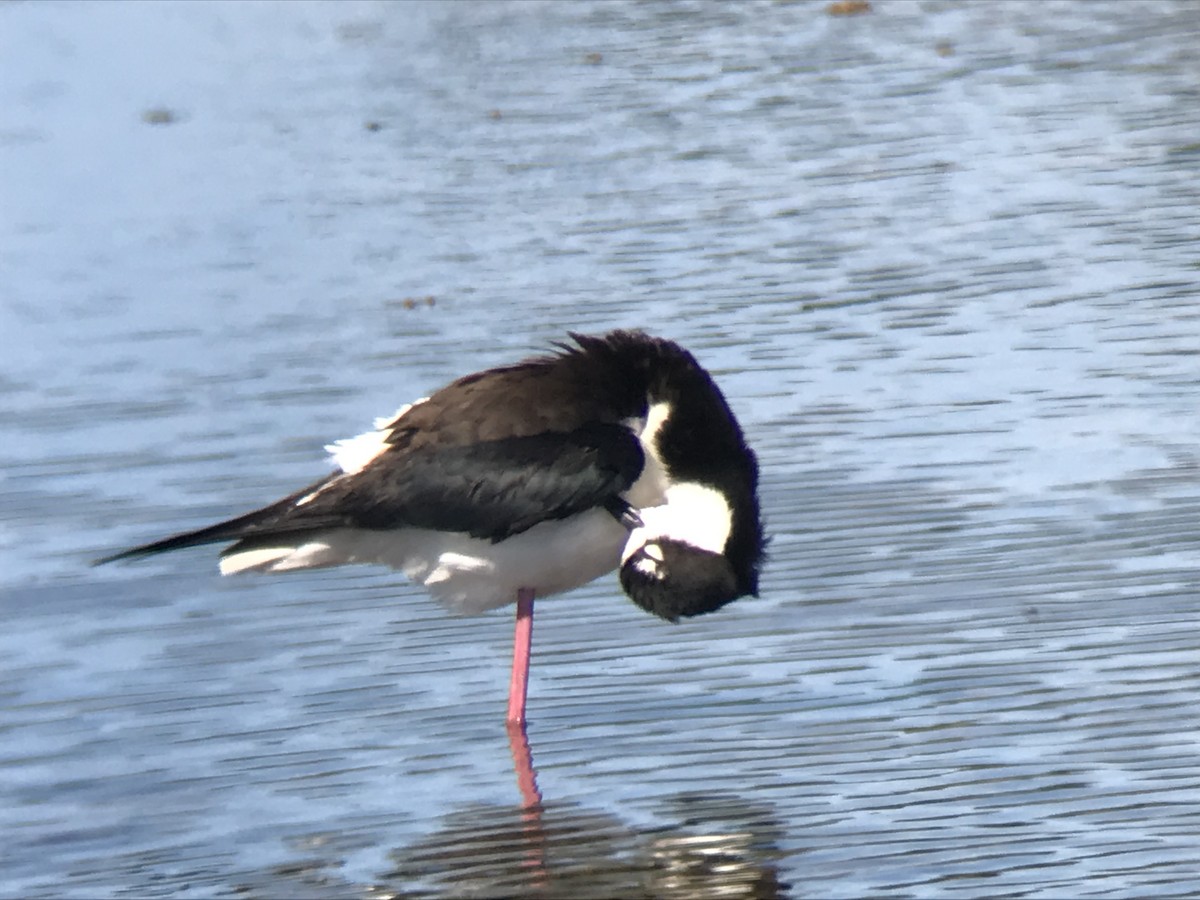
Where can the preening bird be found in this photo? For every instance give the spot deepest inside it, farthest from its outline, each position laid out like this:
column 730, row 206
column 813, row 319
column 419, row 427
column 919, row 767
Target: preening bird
column 614, row 452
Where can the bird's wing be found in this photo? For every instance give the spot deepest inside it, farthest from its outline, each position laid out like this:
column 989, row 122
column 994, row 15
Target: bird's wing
column 487, row 489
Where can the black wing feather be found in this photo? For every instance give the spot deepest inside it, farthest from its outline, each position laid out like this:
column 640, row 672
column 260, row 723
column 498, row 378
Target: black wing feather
column 488, row 489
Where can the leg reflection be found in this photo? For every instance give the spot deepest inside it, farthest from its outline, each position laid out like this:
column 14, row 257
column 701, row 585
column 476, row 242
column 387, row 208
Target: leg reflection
column 531, row 804
column 518, row 741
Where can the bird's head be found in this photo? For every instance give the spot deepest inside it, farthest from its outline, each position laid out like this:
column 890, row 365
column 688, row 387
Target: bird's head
column 672, row 578
column 681, row 560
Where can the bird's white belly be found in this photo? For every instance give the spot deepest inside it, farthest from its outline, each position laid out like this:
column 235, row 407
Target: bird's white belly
column 465, row 574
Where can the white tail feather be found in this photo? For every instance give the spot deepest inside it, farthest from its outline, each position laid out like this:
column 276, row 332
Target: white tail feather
column 260, row 559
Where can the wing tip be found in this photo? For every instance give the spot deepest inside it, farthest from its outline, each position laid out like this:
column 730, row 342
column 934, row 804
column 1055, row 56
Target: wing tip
column 143, row 551
column 212, row 535
column 113, row 557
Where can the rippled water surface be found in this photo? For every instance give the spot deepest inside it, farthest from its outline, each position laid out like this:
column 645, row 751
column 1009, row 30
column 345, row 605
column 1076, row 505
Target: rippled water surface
column 941, row 256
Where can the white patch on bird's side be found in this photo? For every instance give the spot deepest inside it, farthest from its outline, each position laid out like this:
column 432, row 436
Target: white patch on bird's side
column 465, row 574
column 261, row 559
column 314, row 553
column 693, row 513
column 352, row 455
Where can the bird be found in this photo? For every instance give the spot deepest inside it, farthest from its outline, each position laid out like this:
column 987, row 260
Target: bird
column 610, row 452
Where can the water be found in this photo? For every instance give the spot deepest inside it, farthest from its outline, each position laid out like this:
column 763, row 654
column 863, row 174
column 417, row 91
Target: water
column 941, row 257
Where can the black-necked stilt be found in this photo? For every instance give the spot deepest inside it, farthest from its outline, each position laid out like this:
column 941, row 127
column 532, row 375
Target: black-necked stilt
column 529, row 480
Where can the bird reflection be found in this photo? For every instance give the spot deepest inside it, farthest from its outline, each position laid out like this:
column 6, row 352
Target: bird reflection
column 704, row 844
column 708, row 845
column 718, row 847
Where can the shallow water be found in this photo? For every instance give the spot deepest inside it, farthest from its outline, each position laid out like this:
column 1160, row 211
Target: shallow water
column 940, row 256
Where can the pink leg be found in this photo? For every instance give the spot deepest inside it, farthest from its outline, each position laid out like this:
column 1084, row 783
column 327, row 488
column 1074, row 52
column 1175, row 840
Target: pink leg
column 522, row 639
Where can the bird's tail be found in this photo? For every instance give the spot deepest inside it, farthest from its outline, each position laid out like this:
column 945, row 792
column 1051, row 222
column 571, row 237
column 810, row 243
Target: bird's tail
column 213, row 534
column 285, row 517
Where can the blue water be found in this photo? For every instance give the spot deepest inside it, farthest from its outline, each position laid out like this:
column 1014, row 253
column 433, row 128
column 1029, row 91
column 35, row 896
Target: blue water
column 940, row 256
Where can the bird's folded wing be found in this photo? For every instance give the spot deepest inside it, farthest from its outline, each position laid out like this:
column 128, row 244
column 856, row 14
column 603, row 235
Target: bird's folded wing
column 487, row 489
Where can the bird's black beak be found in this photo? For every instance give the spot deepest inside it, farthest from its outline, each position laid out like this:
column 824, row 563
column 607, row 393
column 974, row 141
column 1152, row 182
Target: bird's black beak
column 624, row 513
